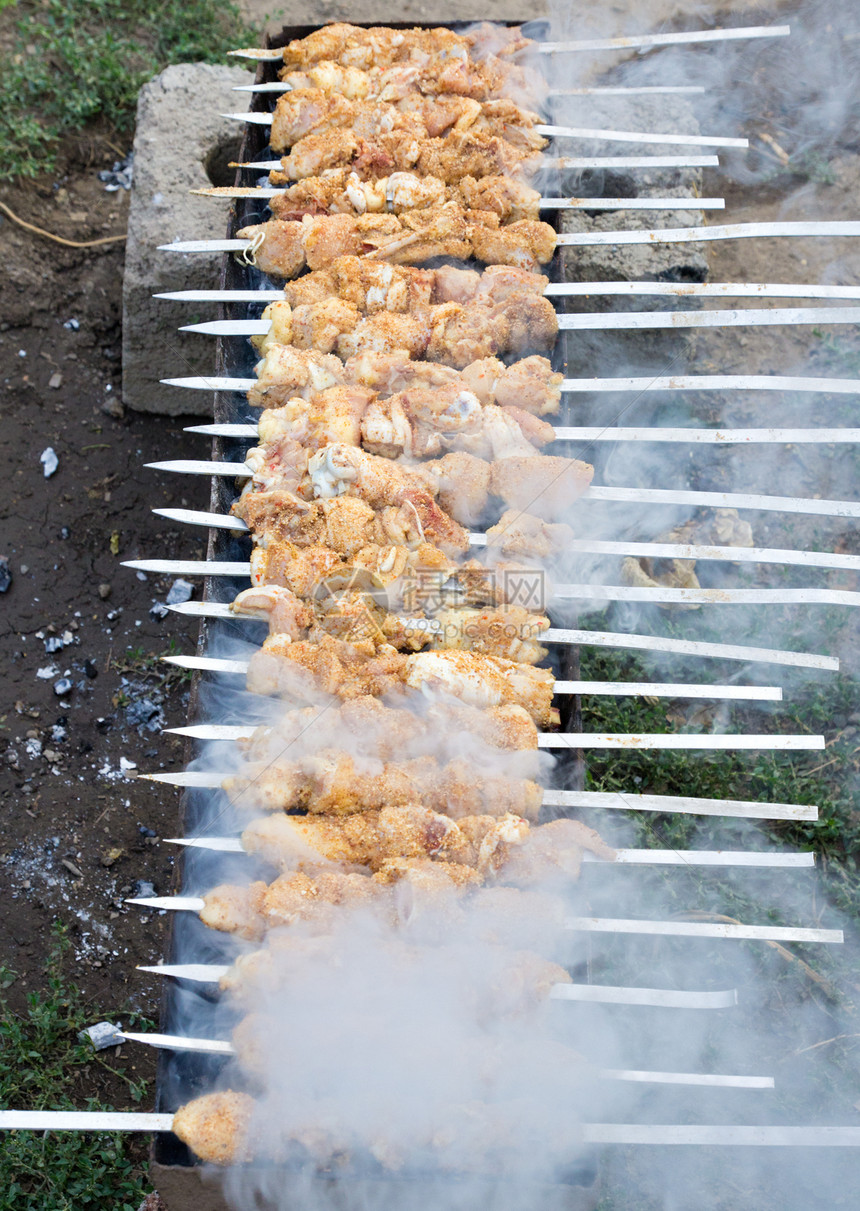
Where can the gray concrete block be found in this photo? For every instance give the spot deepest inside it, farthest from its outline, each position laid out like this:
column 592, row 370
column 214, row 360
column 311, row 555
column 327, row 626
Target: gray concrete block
column 181, row 143
column 604, row 354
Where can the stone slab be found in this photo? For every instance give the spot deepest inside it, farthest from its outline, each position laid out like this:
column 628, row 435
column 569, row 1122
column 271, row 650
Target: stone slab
column 616, row 353
column 181, row 142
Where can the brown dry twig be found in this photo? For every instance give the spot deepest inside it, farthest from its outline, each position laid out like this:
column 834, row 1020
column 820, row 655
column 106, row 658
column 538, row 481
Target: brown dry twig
column 58, row 239
column 829, row 990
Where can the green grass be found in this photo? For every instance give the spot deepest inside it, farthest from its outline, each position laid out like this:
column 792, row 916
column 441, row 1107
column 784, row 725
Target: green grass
column 77, row 62
column 44, row 1066
column 827, row 779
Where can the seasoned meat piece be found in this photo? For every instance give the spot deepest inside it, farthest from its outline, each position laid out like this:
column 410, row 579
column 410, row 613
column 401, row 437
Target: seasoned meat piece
column 300, row 897
column 321, row 326
column 304, row 111
column 338, row 469
column 285, row 373
column 529, row 385
column 366, row 839
column 524, row 244
column 521, row 534
column 506, row 283
column 462, row 486
column 461, row 334
column 524, row 982
column 552, row 851
column 543, row 485
column 281, row 250
column 509, row 199
column 318, row 153
column 385, row 332
column 483, row 680
column 348, row 670
column 235, row 909
column 216, row 1127
column 300, row 569
column 284, row 612
column 531, row 321
column 333, row 415
column 454, row 285
column 507, row 631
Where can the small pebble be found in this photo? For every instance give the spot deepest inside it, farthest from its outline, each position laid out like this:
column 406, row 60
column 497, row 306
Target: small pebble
column 144, row 888
column 63, row 686
column 55, row 382
column 71, row 868
column 102, row 1035
column 72, row 325
column 90, row 670
column 105, row 591
column 181, row 590
column 49, row 461
column 54, row 644
column 65, row 533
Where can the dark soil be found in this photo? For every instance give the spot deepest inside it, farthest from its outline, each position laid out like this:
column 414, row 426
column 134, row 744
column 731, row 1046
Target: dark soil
column 79, row 832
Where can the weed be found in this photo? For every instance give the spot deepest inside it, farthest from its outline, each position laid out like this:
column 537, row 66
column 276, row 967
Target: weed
column 150, row 666
column 74, row 62
column 41, row 1059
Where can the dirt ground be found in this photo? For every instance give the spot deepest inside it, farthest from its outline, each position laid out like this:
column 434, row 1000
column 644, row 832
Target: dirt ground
column 79, row 833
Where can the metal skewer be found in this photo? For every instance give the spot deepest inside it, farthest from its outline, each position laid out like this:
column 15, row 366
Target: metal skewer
column 767, row 290
column 577, row 162
column 603, row 321
column 665, row 496
column 641, row 1134
column 628, row 801
column 572, row 592
column 579, row 239
column 652, row 433
column 639, row 41
column 680, row 929
column 639, row 550
column 609, row 800
column 281, row 86
column 598, row 994
column 177, row 1042
column 680, row 382
column 623, row 857
column 268, row 191
column 636, row 41
column 257, row 118
column 649, row 643
column 629, row 741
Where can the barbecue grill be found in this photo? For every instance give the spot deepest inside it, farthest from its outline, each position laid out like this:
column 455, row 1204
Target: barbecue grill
column 604, row 906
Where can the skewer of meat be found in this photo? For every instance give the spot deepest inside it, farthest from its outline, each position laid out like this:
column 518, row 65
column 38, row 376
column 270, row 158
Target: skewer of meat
column 216, row 1124
column 379, row 47
column 309, row 111
column 285, row 372
column 284, row 248
column 651, row 236
column 343, row 191
column 302, row 112
column 237, row 909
